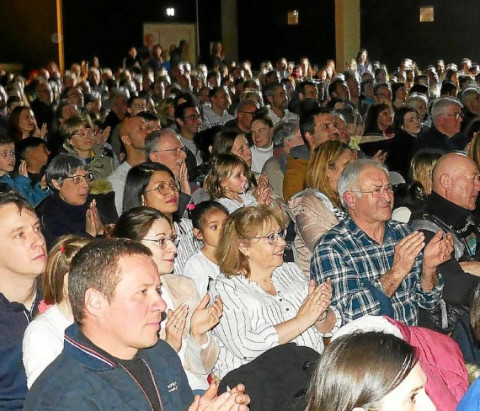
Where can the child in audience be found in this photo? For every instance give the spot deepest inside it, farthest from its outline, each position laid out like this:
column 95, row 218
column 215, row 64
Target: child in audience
column 208, row 218
column 228, row 184
column 19, row 182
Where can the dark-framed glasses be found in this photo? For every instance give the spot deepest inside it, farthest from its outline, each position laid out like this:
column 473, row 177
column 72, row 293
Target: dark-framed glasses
column 163, row 242
column 273, row 238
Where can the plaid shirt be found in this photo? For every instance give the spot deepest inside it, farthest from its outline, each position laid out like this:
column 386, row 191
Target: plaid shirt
column 352, row 260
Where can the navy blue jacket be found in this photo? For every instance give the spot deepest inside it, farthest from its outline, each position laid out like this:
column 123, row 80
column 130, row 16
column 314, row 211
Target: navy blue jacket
column 83, row 379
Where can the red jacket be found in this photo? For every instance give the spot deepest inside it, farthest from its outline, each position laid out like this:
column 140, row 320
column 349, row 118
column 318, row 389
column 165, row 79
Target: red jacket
column 442, row 362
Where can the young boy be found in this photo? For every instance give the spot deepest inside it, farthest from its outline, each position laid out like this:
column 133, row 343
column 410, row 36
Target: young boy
column 19, row 182
column 35, row 153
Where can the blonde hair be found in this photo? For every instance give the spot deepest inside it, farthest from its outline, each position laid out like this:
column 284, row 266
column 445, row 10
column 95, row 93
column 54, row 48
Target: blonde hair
column 421, row 170
column 242, row 226
column 324, row 158
column 223, row 167
column 58, row 265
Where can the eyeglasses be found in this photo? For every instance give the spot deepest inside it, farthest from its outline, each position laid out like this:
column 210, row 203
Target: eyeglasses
column 175, row 151
column 192, row 117
column 377, row 192
column 273, row 238
column 84, row 133
column 163, row 188
column 164, row 242
column 79, row 178
column 456, row 116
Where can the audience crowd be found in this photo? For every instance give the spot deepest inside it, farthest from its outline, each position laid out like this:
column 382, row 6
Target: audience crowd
column 217, row 238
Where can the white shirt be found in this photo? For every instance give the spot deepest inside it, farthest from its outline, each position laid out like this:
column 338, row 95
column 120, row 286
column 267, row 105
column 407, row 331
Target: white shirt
column 247, row 326
column 43, row 342
column 260, row 157
column 232, row 205
column 202, row 271
column 287, row 116
column 210, row 118
column 118, row 179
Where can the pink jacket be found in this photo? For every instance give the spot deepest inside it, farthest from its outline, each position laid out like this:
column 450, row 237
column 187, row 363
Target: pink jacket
column 442, row 362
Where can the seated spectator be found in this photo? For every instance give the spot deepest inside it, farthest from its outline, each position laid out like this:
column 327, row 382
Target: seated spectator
column 154, row 185
column 286, row 136
column 22, row 260
column 262, row 133
column 43, row 339
column 376, row 265
column 208, row 219
column 189, row 319
column 368, row 371
column 34, row 151
column 114, row 344
column 407, row 127
column 410, row 198
column 69, row 210
column 444, row 135
column 317, row 209
column 449, row 209
column 228, row 183
column 79, row 142
column 266, row 302
column 19, row 181
column 22, row 124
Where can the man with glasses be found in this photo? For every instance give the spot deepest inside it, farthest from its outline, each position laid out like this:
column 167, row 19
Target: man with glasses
column 450, row 207
column 165, row 147
column 444, row 135
column 188, row 121
column 377, row 266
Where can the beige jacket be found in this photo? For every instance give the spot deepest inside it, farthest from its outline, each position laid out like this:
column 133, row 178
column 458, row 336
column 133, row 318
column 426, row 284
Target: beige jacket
column 313, row 215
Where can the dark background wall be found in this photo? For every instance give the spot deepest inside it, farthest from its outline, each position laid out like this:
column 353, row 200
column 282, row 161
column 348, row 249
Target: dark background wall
column 391, row 31
column 264, row 33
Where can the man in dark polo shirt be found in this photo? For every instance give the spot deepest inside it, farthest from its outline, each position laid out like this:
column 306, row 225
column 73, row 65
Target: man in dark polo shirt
column 23, row 258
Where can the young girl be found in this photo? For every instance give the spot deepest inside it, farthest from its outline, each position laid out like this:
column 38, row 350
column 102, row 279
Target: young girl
column 228, row 184
column 208, row 218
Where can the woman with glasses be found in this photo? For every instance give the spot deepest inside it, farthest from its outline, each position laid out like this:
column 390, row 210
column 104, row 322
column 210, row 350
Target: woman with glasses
column 78, row 138
column 70, row 210
column 317, row 209
column 154, row 185
column 189, row 319
column 266, row 302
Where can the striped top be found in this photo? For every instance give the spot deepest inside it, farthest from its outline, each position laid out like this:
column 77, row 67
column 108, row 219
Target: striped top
column 188, row 245
column 247, row 327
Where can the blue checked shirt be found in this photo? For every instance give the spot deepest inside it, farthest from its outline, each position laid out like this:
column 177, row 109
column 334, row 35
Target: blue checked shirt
column 354, row 262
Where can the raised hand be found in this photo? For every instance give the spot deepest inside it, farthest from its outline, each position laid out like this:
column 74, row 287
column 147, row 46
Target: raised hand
column 205, row 318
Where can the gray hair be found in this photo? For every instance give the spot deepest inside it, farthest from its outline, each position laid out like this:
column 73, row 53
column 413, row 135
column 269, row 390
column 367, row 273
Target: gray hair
column 416, row 97
column 440, row 105
column 284, row 130
column 350, row 175
column 469, row 94
column 154, row 138
column 61, row 167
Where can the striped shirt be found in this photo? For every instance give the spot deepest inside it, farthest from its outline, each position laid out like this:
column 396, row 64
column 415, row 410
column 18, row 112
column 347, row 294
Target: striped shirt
column 188, row 245
column 247, row 327
column 354, row 262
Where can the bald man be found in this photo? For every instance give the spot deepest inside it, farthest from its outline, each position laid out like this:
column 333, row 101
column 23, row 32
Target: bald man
column 456, row 183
